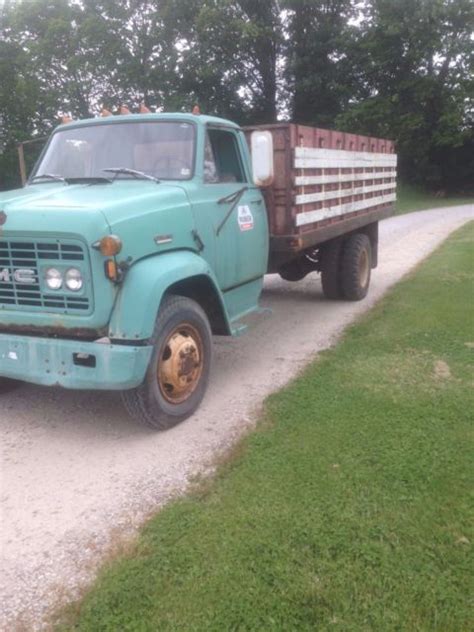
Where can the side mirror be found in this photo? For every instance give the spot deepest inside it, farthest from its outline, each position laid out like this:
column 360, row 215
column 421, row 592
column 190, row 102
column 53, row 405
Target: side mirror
column 261, row 145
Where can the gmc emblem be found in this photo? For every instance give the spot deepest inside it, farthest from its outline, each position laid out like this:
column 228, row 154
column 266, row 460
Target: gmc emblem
column 21, row 275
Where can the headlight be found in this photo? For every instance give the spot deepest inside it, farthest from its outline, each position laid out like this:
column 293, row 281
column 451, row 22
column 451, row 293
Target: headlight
column 53, row 278
column 73, row 279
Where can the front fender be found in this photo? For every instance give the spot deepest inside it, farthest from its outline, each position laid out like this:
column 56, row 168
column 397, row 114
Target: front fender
column 139, row 299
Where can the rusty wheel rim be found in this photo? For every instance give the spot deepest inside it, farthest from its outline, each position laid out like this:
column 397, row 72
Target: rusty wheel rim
column 180, row 364
column 364, row 268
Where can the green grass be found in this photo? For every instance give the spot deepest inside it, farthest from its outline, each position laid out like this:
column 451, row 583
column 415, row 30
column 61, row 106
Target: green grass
column 348, row 508
column 411, row 198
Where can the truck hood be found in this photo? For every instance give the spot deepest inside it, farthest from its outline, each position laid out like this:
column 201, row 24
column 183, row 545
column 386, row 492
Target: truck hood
column 46, row 209
column 135, row 210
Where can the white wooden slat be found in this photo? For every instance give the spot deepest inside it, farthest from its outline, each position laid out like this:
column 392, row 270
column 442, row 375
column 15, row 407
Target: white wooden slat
column 346, row 162
column 308, row 217
column 344, row 177
column 306, row 198
column 321, row 153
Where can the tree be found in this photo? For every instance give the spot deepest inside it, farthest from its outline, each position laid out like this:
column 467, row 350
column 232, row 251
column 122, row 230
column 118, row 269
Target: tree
column 416, row 61
column 320, row 72
column 136, row 47
column 229, row 56
column 22, row 112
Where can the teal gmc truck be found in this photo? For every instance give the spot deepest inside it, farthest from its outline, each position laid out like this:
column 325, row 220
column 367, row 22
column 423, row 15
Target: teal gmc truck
column 139, row 236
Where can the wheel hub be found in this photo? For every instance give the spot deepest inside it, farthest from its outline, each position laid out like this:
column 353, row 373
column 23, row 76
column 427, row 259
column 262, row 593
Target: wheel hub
column 180, row 365
column 364, row 268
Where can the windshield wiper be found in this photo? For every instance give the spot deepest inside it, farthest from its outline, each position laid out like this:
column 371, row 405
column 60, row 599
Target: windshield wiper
column 140, row 175
column 48, row 176
column 88, row 180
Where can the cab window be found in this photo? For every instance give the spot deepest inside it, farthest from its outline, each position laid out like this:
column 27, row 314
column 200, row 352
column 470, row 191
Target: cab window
column 222, row 161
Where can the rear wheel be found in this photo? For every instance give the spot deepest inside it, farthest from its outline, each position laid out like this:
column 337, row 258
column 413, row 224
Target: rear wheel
column 330, row 263
column 356, row 265
column 7, row 385
column 178, row 374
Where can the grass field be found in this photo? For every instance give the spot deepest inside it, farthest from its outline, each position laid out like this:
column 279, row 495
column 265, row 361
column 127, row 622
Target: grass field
column 410, row 198
column 348, row 508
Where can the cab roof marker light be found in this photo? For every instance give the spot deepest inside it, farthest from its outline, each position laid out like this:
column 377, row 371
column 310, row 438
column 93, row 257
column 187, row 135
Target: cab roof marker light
column 196, row 110
column 65, row 118
column 105, row 112
column 124, row 110
column 144, row 109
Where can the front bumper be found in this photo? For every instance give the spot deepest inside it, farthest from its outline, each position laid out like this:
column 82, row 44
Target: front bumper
column 73, row 364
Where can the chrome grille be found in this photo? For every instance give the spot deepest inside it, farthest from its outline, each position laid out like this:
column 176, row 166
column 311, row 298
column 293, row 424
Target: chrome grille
column 17, row 255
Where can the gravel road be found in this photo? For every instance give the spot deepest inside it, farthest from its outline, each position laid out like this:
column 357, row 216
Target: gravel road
column 77, row 476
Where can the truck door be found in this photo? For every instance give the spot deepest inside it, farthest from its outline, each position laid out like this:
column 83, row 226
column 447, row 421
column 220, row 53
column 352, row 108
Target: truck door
column 234, row 208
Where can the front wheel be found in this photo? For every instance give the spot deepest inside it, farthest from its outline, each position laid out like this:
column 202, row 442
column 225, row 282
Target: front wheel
column 178, row 374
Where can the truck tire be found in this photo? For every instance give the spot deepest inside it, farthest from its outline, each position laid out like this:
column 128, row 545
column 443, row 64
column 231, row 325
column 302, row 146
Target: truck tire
column 330, row 263
column 356, row 264
column 178, row 374
column 7, row 385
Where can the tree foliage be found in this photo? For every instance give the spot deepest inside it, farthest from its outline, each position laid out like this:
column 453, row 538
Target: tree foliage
column 394, row 68
column 416, row 62
column 319, row 50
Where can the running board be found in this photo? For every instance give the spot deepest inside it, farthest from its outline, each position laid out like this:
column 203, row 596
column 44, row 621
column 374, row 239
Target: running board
column 239, row 327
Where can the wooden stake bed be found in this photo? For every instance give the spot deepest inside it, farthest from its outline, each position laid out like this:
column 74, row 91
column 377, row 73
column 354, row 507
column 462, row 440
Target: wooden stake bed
column 327, row 183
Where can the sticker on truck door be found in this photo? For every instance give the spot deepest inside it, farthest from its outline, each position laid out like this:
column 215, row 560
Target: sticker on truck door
column 245, row 218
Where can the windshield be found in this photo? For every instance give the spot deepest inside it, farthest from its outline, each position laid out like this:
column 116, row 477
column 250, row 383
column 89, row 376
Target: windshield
column 161, row 149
